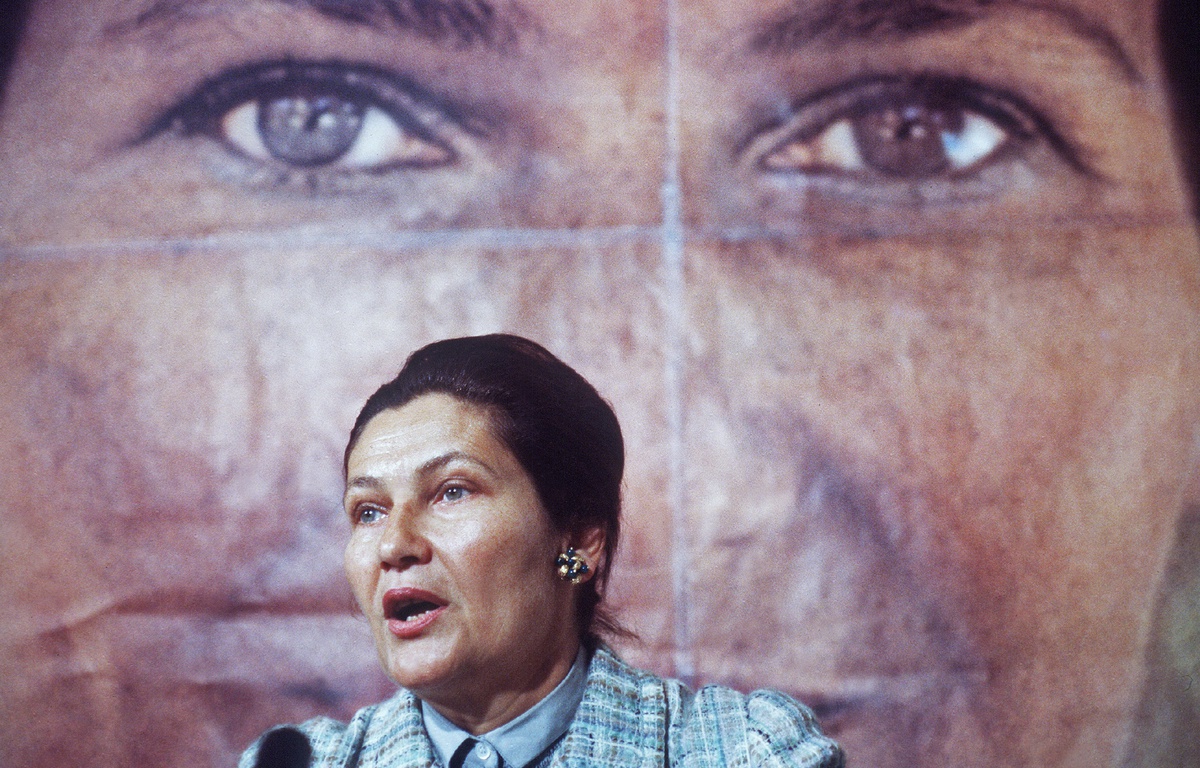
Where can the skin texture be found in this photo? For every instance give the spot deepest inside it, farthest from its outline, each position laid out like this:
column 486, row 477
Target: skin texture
column 916, row 443
column 511, row 117
column 202, row 495
column 438, row 503
column 994, row 425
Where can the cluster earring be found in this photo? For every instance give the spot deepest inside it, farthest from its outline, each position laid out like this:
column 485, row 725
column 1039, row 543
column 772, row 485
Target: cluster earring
column 571, row 567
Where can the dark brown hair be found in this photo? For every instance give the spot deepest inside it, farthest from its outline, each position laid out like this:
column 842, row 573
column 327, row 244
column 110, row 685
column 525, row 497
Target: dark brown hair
column 563, row 433
column 13, row 15
column 1179, row 35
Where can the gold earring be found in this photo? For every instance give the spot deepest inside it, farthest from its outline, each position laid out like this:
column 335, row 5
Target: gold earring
column 571, row 567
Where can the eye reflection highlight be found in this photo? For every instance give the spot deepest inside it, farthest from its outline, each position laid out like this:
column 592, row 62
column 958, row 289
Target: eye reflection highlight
column 313, row 131
column 904, row 130
column 317, row 116
column 904, row 142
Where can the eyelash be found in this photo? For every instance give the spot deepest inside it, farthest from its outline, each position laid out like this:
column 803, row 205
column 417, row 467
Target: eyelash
column 784, row 149
column 361, row 510
column 452, row 486
column 845, row 107
column 244, row 93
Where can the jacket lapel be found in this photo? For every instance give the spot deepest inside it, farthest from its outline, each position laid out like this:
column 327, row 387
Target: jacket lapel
column 622, row 720
column 396, row 736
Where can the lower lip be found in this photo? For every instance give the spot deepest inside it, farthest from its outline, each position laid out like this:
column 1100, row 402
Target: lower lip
column 409, row 629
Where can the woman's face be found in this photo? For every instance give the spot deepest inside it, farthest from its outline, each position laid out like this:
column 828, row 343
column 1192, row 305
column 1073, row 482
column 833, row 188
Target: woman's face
column 451, row 557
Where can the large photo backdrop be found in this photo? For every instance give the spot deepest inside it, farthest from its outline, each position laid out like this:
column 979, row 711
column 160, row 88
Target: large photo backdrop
column 898, row 304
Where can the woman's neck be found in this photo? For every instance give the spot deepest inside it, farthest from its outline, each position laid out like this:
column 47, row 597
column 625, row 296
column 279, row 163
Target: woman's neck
column 482, row 706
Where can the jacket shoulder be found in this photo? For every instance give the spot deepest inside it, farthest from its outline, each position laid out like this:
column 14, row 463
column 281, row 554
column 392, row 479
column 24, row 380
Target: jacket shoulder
column 621, row 720
column 629, row 717
column 393, row 726
column 722, row 727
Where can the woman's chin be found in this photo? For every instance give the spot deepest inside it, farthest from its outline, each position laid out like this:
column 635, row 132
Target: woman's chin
column 418, row 665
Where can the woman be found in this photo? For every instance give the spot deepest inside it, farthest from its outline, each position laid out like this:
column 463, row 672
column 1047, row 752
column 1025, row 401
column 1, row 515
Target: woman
column 483, row 491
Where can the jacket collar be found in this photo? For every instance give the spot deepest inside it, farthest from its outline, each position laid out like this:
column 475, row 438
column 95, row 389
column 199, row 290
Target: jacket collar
column 622, row 720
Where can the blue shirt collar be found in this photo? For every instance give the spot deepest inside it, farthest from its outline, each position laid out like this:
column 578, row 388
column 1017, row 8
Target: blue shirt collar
column 527, row 736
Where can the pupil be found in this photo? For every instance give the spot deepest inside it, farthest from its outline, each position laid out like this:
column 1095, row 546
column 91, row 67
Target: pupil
column 305, row 130
column 905, row 140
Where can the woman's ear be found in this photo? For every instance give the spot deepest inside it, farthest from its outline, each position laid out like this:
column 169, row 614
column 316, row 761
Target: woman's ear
column 589, row 544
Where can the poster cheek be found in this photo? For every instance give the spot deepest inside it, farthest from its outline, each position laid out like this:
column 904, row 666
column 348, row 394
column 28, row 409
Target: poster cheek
column 925, row 492
column 899, row 313
column 176, row 506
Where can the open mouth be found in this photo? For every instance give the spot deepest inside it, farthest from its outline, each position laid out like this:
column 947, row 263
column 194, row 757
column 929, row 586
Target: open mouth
column 408, row 610
column 412, row 611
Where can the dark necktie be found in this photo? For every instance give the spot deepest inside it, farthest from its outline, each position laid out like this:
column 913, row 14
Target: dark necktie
column 460, row 754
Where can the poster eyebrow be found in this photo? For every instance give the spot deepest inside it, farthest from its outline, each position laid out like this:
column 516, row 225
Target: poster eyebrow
column 496, row 25
column 803, row 22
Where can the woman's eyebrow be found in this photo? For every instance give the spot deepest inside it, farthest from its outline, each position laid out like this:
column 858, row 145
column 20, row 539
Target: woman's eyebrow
column 804, row 22
column 364, row 483
column 451, row 23
column 438, row 462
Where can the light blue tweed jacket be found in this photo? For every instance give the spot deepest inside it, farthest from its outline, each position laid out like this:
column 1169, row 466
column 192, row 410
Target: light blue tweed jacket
column 627, row 718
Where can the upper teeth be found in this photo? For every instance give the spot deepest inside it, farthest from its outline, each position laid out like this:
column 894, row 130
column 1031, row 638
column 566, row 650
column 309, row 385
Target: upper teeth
column 411, row 612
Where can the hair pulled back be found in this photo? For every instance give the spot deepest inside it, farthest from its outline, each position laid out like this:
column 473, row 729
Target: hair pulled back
column 559, row 428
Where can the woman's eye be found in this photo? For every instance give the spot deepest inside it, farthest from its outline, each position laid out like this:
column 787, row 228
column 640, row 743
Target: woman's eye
column 454, row 493
column 368, row 515
column 308, row 115
column 325, row 129
column 906, row 141
column 902, row 129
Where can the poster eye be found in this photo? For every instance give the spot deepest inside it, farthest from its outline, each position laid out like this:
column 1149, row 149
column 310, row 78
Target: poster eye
column 316, row 116
column 900, row 130
column 303, row 130
column 911, row 141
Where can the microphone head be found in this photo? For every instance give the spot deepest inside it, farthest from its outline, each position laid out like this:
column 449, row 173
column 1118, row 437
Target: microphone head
column 284, row 747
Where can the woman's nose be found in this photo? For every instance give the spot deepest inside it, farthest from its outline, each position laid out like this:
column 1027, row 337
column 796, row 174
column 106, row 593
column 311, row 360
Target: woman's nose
column 403, row 542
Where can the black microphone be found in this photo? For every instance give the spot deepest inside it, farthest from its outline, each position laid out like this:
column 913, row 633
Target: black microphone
column 284, row 748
